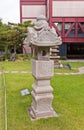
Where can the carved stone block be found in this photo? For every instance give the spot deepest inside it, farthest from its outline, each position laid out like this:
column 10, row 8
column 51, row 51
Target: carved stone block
column 42, row 69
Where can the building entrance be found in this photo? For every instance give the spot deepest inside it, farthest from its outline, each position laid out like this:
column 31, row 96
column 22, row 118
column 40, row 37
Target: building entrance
column 75, row 51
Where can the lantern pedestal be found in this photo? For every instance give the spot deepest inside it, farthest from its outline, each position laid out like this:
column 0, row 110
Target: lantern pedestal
column 42, row 91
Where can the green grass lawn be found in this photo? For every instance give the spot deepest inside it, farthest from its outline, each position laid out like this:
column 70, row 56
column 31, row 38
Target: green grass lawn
column 26, row 66
column 74, row 67
column 20, row 65
column 68, row 100
column 73, row 64
column 63, row 70
column 68, row 103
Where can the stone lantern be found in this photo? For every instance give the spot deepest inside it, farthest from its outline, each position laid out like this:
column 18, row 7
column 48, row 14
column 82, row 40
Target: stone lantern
column 41, row 39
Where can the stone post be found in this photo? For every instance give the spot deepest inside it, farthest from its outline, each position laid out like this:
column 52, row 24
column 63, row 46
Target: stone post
column 41, row 39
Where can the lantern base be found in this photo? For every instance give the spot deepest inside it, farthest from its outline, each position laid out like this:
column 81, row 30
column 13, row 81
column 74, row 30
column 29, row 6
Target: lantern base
column 35, row 115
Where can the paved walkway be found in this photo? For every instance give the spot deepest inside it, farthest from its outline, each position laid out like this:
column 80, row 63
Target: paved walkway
column 15, row 72
column 75, row 60
column 81, row 71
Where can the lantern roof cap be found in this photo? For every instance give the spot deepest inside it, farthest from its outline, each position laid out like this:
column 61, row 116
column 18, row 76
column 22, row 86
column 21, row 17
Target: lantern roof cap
column 42, row 34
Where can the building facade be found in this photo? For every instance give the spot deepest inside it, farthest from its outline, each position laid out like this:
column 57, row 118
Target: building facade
column 65, row 16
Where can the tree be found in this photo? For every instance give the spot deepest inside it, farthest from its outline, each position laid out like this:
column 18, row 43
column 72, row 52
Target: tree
column 4, row 34
column 20, row 33
column 12, row 35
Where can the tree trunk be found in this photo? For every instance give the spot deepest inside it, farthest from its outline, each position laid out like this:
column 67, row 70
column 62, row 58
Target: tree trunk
column 15, row 48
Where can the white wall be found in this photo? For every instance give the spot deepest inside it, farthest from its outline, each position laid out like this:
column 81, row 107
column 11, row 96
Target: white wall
column 33, row 10
column 68, row 8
